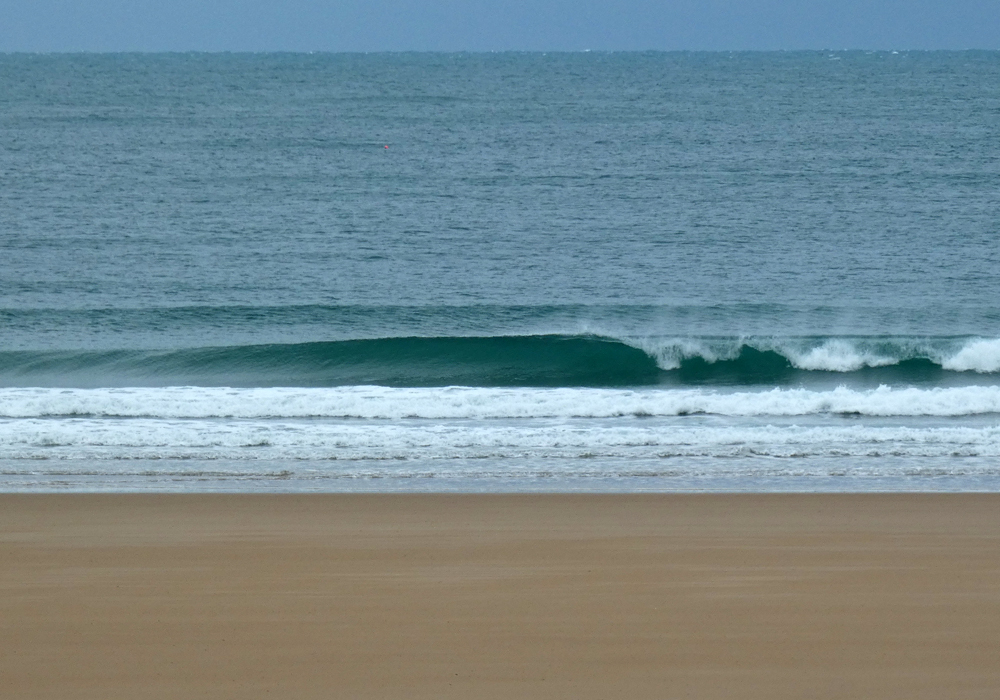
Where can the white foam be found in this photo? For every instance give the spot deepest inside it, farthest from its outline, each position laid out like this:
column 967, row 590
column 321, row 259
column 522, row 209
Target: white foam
column 831, row 355
column 574, row 439
column 670, row 353
column 370, row 402
column 976, row 356
column 836, row 356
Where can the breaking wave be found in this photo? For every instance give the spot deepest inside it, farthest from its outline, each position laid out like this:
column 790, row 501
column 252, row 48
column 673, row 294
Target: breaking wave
column 533, row 360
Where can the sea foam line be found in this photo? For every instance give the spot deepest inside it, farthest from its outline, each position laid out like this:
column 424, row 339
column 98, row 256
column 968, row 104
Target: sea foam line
column 247, row 440
column 373, row 402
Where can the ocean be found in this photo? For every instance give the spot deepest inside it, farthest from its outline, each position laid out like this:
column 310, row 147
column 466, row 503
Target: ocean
column 500, row 272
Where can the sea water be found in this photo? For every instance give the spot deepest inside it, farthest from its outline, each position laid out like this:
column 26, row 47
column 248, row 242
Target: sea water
column 497, row 272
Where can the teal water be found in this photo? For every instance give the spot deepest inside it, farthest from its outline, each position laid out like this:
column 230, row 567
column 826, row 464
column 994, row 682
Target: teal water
column 668, row 237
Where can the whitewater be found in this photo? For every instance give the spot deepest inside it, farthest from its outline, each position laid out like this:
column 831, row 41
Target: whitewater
column 387, row 403
column 447, row 438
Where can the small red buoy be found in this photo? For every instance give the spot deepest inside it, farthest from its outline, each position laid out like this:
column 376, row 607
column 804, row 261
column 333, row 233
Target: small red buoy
column 386, row 146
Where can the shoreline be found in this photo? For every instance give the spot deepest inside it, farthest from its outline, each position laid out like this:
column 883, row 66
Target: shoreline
column 499, row 596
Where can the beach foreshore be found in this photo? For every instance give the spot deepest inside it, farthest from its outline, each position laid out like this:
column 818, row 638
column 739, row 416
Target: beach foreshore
column 500, row 596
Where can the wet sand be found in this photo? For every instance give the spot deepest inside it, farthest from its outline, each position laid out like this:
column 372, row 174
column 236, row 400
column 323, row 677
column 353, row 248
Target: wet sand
column 458, row 596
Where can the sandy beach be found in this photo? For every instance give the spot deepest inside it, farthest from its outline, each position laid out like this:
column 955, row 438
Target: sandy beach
column 462, row 596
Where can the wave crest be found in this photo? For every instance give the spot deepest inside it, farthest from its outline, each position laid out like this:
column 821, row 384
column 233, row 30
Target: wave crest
column 977, row 356
column 827, row 354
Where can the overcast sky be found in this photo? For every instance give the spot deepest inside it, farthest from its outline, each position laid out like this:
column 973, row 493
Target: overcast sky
column 491, row 25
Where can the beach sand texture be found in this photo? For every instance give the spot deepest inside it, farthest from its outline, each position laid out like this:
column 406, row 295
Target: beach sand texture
column 500, row 596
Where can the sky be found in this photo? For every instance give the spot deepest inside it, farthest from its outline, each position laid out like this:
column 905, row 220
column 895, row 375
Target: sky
column 492, row 25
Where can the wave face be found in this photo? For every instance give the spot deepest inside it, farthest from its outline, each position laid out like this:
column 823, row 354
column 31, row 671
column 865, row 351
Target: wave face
column 496, row 361
column 534, row 360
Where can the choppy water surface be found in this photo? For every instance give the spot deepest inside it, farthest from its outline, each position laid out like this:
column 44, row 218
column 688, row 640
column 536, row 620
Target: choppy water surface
column 500, row 272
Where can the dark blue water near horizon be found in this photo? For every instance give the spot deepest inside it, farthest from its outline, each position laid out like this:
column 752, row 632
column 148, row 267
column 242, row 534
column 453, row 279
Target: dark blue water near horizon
column 743, row 237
